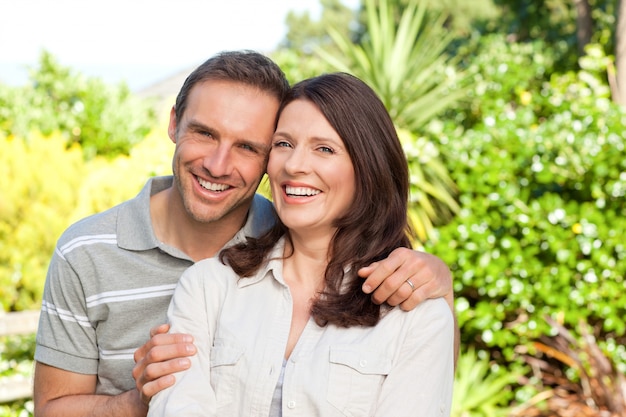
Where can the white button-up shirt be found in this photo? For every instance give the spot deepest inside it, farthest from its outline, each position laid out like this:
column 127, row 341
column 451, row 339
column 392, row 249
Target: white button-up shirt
column 403, row 366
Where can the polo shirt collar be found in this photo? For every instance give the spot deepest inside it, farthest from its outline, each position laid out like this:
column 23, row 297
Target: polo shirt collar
column 134, row 224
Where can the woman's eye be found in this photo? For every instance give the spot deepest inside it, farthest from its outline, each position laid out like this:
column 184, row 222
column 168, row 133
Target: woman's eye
column 326, row 149
column 281, row 144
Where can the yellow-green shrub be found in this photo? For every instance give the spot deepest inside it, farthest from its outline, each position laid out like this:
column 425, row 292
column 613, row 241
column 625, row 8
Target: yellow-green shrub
column 109, row 182
column 38, row 182
column 45, row 187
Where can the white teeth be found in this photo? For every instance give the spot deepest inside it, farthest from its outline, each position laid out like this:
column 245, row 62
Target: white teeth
column 212, row 186
column 301, row 191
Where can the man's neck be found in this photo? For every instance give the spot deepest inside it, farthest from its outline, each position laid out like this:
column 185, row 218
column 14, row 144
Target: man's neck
column 174, row 227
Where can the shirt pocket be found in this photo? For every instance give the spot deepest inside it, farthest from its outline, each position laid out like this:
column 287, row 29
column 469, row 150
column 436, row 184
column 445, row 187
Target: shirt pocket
column 356, row 375
column 226, row 356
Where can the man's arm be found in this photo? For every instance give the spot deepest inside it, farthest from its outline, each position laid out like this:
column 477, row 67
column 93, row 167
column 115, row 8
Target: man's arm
column 67, row 394
column 386, row 280
column 62, row 393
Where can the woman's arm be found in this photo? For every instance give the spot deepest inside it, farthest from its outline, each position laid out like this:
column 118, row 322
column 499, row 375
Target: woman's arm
column 190, row 312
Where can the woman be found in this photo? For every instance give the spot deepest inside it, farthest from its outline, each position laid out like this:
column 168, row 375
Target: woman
column 282, row 325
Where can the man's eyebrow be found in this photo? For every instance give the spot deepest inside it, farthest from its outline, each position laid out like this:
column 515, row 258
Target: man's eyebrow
column 261, row 146
column 196, row 126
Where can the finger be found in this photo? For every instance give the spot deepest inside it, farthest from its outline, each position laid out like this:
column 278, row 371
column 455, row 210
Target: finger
column 152, row 388
column 160, row 329
column 160, row 340
column 415, row 298
column 381, row 277
column 425, row 286
column 161, row 361
column 172, row 347
column 393, row 288
column 160, row 371
column 400, row 295
column 141, row 351
column 160, row 348
column 370, row 283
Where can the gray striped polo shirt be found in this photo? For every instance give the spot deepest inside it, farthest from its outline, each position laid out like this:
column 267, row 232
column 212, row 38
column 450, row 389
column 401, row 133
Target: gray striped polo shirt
column 109, row 282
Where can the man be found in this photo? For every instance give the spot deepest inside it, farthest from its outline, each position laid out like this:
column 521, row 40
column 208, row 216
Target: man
column 113, row 274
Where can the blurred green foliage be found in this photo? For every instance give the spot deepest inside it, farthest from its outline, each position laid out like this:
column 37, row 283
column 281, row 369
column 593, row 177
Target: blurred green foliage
column 16, row 362
column 542, row 180
column 38, row 179
column 17, row 354
column 20, row 408
column 482, row 389
column 104, row 119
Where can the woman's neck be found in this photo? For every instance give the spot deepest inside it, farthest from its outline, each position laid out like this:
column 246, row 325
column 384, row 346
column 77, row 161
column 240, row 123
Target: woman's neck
column 303, row 272
column 308, row 258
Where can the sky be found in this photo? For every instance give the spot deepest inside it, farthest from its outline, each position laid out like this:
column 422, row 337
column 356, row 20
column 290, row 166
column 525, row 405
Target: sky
column 137, row 41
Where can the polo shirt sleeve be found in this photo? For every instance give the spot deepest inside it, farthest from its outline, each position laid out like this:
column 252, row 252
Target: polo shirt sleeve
column 66, row 338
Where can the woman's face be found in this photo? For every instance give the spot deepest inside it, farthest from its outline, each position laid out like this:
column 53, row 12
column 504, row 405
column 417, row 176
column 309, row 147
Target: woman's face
column 311, row 174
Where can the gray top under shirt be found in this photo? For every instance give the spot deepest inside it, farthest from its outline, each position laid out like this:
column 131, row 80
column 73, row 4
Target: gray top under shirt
column 109, row 282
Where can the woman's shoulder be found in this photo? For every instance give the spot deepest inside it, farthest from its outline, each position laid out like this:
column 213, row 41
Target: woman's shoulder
column 210, row 272
column 431, row 314
column 433, row 307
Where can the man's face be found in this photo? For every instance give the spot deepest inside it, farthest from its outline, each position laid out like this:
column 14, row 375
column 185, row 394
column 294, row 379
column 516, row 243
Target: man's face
column 222, row 145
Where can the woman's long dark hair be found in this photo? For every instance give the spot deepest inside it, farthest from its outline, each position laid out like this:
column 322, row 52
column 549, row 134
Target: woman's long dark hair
column 376, row 222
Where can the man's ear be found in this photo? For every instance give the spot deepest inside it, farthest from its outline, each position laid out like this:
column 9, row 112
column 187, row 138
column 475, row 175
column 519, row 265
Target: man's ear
column 171, row 130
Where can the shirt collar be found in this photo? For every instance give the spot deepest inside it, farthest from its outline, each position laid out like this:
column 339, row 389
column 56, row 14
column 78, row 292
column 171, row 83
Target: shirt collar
column 134, row 225
column 273, row 268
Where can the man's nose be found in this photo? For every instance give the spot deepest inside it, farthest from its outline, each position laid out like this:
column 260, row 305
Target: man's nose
column 218, row 162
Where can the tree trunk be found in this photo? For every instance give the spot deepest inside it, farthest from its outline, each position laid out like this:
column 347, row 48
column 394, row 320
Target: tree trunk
column 619, row 90
column 584, row 24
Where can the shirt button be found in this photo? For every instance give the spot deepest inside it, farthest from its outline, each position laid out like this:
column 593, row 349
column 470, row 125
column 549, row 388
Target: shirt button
column 362, row 363
column 291, row 404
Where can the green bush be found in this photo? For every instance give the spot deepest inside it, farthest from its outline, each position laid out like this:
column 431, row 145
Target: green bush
column 542, row 181
column 17, row 355
column 481, row 389
column 103, row 119
column 108, row 182
column 505, row 73
column 20, row 408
